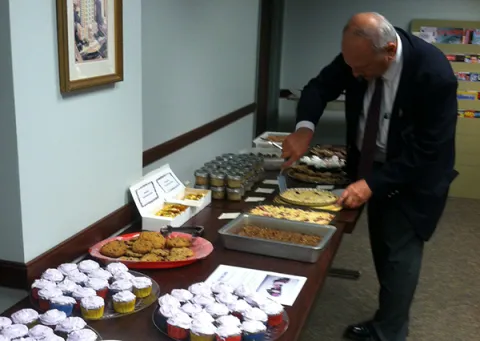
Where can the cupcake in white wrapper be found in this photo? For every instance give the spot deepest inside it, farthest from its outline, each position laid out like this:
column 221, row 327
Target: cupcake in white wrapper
column 40, row 332
column 53, row 275
column 82, row 335
column 200, row 288
column 220, row 287
column 26, row 316
column 116, row 267
column 66, row 268
column 228, row 333
column 52, row 317
column 217, row 310
column 182, row 295
column 15, row 331
column 168, row 299
column 191, row 308
column 203, row 300
column 256, row 314
column 88, row 266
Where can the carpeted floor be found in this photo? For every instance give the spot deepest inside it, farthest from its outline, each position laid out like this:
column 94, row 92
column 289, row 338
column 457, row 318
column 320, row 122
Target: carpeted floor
column 447, row 302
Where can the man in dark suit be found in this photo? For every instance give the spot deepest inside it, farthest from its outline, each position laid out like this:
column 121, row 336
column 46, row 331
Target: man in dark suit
column 401, row 113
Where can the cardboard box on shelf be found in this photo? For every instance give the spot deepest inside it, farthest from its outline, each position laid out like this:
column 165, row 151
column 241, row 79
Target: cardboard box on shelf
column 159, row 189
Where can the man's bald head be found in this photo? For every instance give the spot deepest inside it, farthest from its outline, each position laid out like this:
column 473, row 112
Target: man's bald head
column 369, row 44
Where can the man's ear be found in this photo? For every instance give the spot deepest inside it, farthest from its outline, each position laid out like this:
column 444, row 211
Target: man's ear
column 391, row 49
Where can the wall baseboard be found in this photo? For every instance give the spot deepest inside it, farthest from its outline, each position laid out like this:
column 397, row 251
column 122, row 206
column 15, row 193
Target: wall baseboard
column 160, row 151
column 20, row 275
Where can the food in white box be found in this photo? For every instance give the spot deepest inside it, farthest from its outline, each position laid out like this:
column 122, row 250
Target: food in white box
column 171, row 210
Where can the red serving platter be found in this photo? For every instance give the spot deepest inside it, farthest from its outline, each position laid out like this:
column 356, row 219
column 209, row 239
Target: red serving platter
column 200, row 247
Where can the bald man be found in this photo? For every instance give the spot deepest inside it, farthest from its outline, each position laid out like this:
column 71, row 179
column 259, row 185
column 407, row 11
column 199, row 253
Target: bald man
column 401, row 113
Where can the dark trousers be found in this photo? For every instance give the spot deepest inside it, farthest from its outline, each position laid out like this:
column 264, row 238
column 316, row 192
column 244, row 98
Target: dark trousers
column 397, row 254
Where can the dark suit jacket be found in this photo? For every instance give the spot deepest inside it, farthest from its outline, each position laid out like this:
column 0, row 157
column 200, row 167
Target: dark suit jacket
column 421, row 139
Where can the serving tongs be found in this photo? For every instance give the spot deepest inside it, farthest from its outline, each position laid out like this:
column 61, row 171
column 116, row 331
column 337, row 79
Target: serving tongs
column 195, row 231
column 282, row 180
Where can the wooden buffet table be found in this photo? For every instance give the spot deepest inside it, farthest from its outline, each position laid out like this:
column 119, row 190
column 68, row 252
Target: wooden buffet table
column 139, row 326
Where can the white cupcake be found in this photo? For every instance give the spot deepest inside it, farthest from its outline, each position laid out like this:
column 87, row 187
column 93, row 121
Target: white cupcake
column 78, row 277
column 4, row 322
column 52, row 337
column 97, row 284
column 40, row 332
column 200, row 328
column 53, row 275
column 203, row 316
column 123, row 276
column 226, row 298
column 220, row 287
column 257, row 299
column 229, row 320
column 182, row 295
column 116, row 267
column 201, row 288
column 70, row 324
column 217, row 310
column 15, row 331
column 203, row 300
column 3, row 338
column 82, row 292
column 226, row 331
column 67, row 286
column 43, row 284
column 121, row 285
column 24, row 316
column 88, row 266
column 243, row 291
column 82, row 335
column 191, row 308
column 256, row 314
column 168, row 310
column 100, row 273
column 52, row 317
column 168, row 299
column 239, row 306
column 66, row 268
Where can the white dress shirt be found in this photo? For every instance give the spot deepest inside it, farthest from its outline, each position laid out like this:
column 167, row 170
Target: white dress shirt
column 391, row 79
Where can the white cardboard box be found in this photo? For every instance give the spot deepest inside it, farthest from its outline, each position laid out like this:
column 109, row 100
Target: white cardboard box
column 161, row 187
column 260, row 143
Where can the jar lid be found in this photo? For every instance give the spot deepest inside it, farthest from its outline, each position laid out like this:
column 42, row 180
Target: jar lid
column 201, row 186
column 201, row 172
column 217, row 189
column 217, row 175
column 234, row 176
column 234, row 190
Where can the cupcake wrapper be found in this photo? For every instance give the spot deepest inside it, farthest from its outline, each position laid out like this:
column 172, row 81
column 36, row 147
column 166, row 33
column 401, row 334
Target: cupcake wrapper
column 92, row 314
column 124, row 307
column 102, row 293
column 162, row 322
column 230, row 338
column 260, row 336
column 142, row 293
column 44, row 304
column 177, row 332
column 35, row 293
column 237, row 314
column 275, row 320
column 66, row 308
column 195, row 337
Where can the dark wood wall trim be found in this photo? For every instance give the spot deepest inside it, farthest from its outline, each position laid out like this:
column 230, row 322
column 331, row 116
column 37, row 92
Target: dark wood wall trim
column 264, row 54
column 158, row 152
column 20, row 275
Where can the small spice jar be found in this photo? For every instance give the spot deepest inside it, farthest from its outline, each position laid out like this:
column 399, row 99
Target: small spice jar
column 234, row 194
column 217, row 179
column 234, row 180
column 218, row 193
column 201, row 177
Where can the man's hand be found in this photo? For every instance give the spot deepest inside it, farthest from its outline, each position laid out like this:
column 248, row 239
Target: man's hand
column 295, row 145
column 355, row 195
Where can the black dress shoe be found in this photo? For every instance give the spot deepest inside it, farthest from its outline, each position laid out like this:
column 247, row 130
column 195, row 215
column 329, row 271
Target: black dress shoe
column 361, row 332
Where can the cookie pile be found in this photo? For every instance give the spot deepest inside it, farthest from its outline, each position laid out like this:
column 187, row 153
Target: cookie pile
column 149, row 247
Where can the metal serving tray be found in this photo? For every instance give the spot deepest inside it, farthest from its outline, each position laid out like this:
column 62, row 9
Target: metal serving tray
column 302, row 253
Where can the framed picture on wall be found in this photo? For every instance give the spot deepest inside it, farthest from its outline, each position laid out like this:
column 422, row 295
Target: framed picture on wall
column 90, row 43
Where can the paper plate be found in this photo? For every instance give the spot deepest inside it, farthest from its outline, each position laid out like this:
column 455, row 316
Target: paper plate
column 200, row 247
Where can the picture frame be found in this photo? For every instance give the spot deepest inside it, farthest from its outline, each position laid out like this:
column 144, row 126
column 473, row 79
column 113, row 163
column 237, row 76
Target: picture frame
column 90, row 43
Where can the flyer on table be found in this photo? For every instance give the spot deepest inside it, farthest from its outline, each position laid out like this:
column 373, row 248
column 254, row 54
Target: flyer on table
column 279, row 287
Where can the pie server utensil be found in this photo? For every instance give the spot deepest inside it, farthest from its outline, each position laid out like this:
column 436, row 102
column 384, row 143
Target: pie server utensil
column 282, row 180
column 195, row 231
